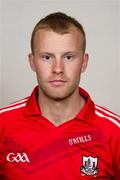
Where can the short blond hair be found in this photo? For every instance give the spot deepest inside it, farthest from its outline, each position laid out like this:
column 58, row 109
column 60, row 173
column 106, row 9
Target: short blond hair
column 60, row 23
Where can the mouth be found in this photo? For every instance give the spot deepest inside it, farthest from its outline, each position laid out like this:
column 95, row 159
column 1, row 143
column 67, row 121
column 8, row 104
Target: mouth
column 58, row 82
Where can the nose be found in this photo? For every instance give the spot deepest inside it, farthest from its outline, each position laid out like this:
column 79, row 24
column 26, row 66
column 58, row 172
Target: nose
column 58, row 66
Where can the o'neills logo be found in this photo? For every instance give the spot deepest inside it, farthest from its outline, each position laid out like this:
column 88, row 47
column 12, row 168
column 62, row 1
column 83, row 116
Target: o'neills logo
column 17, row 157
column 80, row 139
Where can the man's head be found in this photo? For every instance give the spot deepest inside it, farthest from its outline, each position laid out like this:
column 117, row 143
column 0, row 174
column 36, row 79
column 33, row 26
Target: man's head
column 59, row 23
column 58, row 55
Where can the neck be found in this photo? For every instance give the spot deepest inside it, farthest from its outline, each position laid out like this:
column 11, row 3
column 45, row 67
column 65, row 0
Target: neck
column 62, row 111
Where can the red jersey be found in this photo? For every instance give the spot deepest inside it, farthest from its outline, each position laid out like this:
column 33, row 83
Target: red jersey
column 84, row 148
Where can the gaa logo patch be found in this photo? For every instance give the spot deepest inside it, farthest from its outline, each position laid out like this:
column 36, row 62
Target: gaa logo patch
column 17, row 157
column 89, row 165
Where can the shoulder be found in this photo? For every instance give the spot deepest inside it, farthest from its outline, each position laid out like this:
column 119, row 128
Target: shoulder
column 107, row 117
column 9, row 115
column 14, row 107
column 109, row 123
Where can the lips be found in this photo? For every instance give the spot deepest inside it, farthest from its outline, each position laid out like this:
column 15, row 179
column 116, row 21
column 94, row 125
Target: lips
column 57, row 82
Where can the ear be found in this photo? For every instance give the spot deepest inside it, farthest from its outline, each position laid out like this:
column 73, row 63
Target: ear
column 32, row 62
column 85, row 62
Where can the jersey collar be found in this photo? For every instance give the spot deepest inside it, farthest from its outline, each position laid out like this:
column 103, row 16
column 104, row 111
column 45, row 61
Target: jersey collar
column 32, row 107
column 88, row 111
column 86, row 114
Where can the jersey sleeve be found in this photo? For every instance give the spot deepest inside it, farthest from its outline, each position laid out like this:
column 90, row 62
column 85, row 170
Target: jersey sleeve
column 2, row 135
column 115, row 149
column 2, row 130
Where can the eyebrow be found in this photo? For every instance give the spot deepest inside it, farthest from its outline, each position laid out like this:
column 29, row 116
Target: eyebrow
column 48, row 53
column 71, row 52
column 64, row 53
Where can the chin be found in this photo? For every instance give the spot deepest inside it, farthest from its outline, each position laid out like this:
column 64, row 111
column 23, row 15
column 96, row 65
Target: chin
column 59, row 96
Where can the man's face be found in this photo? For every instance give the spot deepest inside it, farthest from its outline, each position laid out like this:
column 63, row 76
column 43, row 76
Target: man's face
column 58, row 61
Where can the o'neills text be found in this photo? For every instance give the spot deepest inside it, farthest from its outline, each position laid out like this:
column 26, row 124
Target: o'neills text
column 80, row 139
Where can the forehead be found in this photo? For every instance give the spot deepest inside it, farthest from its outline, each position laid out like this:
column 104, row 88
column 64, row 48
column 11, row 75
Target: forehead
column 72, row 31
column 48, row 39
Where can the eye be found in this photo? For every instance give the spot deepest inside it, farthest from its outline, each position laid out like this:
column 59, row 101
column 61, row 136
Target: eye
column 46, row 57
column 69, row 57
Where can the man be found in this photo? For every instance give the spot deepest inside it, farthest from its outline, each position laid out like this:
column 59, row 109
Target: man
column 58, row 132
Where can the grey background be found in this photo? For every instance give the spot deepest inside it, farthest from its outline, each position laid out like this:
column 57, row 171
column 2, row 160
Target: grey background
column 101, row 20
